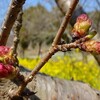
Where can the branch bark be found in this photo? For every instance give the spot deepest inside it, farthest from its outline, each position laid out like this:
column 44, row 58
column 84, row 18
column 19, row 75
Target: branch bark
column 17, row 27
column 9, row 20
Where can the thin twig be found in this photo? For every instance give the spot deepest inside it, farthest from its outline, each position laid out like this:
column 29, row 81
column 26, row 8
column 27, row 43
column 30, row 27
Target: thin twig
column 9, row 20
column 52, row 50
column 17, row 27
column 65, row 22
column 76, row 44
column 57, row 38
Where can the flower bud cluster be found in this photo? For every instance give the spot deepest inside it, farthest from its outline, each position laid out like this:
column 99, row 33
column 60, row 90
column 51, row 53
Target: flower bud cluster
column 81, row 27
column 91, row 46
column 7, row 69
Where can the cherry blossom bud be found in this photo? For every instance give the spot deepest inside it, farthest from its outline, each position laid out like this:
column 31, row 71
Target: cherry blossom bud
column 6, row 56
column 7, row 71
column 81, row 27
column 91, row 46
column 4, row 50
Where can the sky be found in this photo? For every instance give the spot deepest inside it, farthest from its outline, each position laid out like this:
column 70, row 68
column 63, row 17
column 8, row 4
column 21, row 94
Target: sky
column 89, row 5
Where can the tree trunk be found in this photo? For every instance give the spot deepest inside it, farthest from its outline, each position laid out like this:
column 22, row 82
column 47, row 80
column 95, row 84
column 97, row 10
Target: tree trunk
column 49, row 88
column 39, row 50
column 63, row 6
column 22, row 52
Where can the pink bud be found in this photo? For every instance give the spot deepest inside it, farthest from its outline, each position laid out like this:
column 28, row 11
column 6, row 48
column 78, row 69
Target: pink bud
column 91, row 46
column 5, row 55
column 4, row 50
column 81, row 26
column 7, row 71
column 3, row 71
column 82, row 17
column 97, row 47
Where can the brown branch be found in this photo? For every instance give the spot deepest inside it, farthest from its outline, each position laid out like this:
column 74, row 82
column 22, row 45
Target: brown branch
column 9, row 20
column 76, row 44
column 65, row 22
column 51, row 52
column 17, row 27
column 57, row 38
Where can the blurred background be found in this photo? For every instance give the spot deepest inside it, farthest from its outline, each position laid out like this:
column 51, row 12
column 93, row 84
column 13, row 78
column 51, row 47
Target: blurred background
column 41, row 20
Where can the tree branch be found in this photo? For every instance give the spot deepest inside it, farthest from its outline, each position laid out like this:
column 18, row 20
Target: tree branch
column 76, row 44
column 65, row 22
column 51, row 52
column 9, row 20
column 17, row 27
column 63, row 6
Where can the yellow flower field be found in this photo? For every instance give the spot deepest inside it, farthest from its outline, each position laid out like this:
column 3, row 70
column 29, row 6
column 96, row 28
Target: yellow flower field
column 68, row 68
